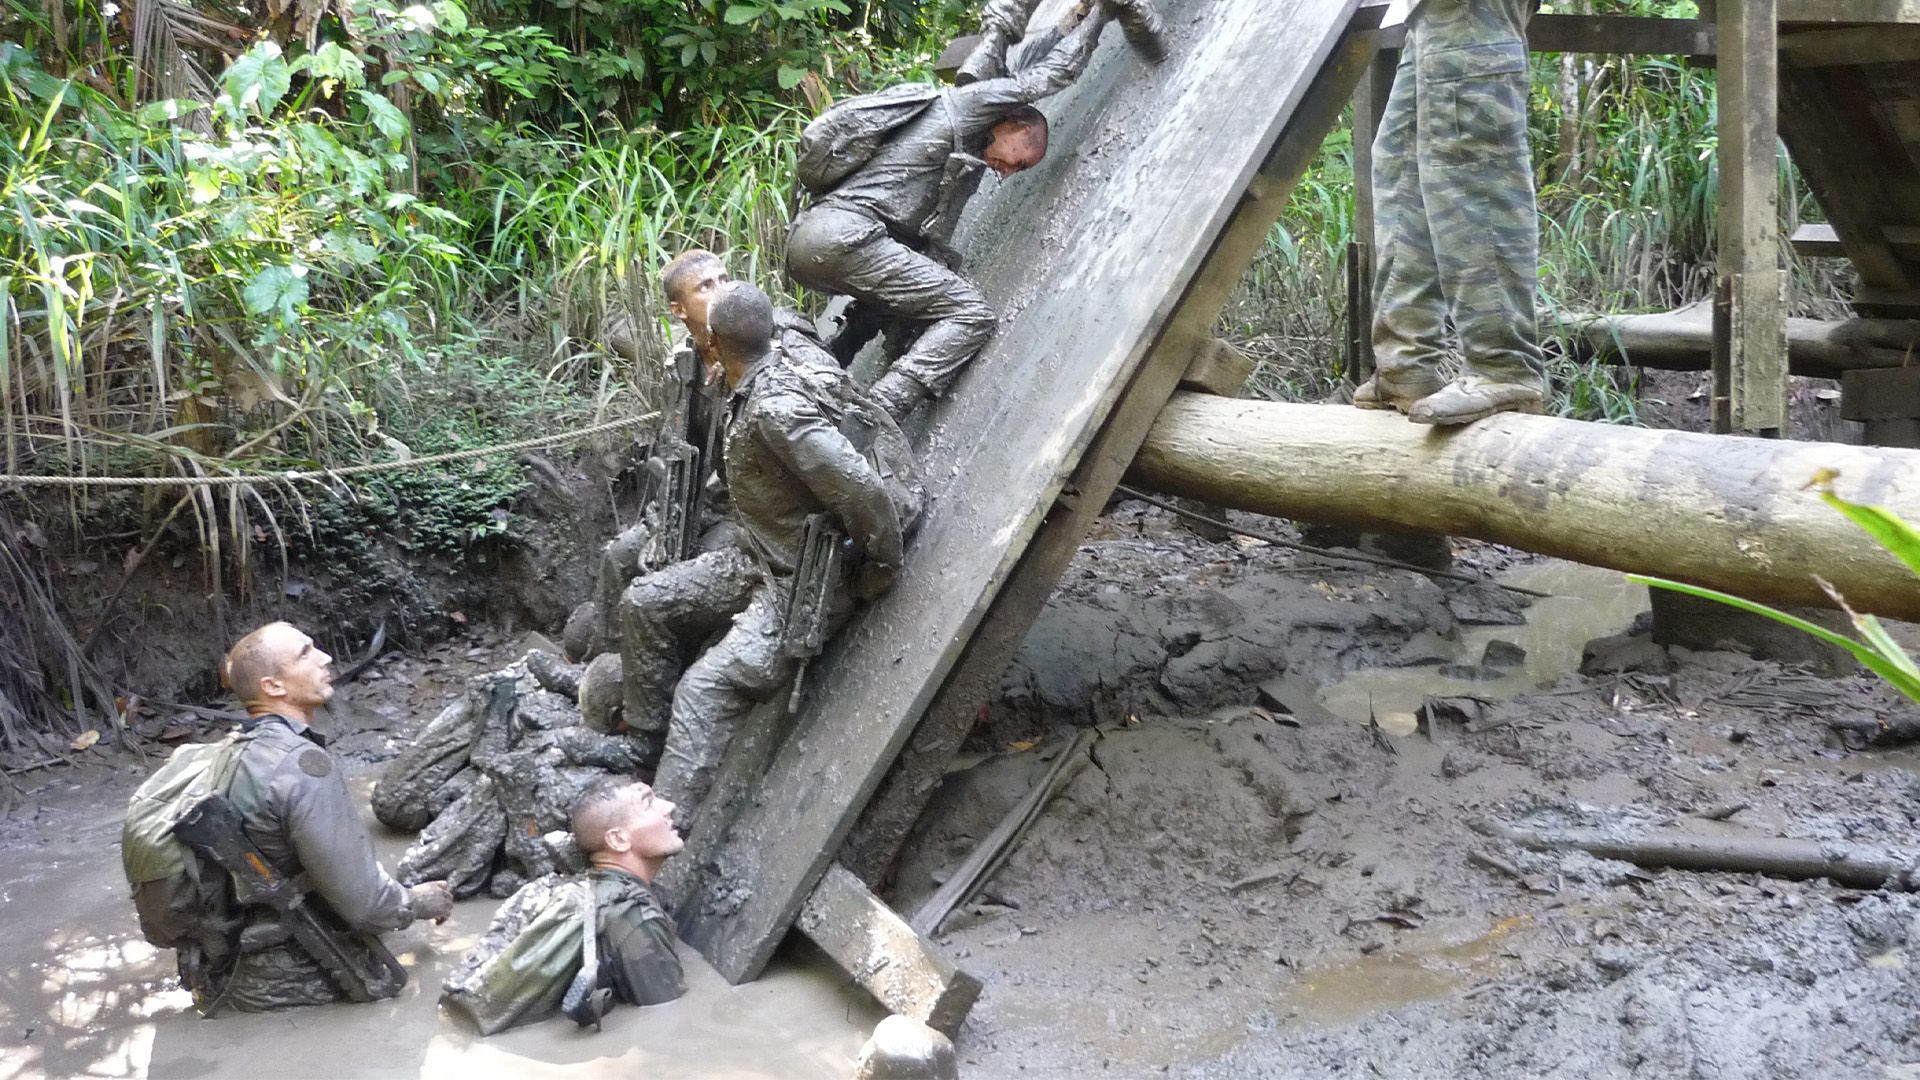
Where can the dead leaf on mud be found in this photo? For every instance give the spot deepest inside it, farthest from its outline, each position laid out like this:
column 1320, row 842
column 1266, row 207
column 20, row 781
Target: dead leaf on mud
column 85, row 739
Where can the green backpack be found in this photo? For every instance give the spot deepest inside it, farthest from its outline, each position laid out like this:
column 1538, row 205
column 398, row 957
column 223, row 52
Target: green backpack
column 181, row 900
column 541, row 944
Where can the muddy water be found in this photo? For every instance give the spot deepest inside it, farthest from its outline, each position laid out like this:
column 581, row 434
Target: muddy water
column 1587, row 602
column 82, row 994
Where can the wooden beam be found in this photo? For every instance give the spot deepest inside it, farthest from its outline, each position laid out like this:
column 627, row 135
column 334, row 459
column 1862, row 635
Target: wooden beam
column 870, row 941
column 1107, row 244
column 1850, row 11
column 1718, row 510
column 1851, row 46
column 975, row 678
column 1818, row 240
column 1630, row 34
column 1218, row 368
column 1750, row 357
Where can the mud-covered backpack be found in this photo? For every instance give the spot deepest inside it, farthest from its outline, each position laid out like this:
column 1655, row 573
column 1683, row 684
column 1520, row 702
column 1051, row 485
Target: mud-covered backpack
column 843, row 138
column 542, row 943
column 182, row 900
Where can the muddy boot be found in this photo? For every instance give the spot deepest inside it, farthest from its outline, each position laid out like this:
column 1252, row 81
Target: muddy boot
column 1377, row 393
column 1142, row 25
column 1476, row 397
column 897, row 393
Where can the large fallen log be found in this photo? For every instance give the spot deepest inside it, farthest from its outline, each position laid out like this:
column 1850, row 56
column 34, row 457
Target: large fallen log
column 1717, row 510
column 1682, row 340
column 1846, row 864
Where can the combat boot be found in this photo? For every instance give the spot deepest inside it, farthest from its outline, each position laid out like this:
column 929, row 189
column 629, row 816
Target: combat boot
column 1476, row 397
column 898, row 393
column 1142, row 25
column 1402, row 394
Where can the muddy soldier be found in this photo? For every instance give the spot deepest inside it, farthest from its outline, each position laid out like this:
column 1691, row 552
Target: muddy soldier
column 534, row 958
column 296, row 809
column 1457, row 232
column 882, row 235
column 688, row 282
column 791, row 464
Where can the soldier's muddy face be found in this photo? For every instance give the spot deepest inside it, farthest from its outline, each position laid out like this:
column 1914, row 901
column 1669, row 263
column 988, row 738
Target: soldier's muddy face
column 690, row 307
column 1015, row 147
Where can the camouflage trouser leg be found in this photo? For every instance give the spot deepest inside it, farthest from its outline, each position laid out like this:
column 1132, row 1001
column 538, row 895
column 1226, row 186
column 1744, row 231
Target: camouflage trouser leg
column 1456, row 229
column 664, row 616
column 282, row 977
column 848, row 253
column 745, row 668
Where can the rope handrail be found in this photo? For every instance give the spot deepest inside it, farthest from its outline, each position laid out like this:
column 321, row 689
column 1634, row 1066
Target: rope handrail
column 342, row 472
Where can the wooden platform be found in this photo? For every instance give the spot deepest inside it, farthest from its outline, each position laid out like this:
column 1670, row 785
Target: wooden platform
column 1107, row 263
column 1850, row 115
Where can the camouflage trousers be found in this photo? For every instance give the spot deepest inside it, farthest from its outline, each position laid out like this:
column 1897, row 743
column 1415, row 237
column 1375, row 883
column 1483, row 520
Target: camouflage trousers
column 1457, row 233
column 744, row 668
column 665, row 617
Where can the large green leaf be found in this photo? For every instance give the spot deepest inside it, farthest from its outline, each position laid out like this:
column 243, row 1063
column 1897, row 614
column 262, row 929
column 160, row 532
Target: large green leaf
column 1883, row 525
column 259, row 79
column 277, row 290
column 386, row 118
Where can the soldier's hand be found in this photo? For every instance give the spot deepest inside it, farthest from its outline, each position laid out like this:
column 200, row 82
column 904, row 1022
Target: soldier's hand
column 872, row 580
column 431, row 900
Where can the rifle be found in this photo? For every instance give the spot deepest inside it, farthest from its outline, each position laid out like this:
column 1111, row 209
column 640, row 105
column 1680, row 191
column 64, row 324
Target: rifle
column 675, row 493
column 214, row 829
column 824, row 557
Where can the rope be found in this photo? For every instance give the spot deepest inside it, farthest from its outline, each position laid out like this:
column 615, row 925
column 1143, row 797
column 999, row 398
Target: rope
column 344, row 471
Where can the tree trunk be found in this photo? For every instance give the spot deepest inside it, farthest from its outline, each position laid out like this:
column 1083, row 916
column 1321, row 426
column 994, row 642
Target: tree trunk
column 1722, row 511
column 1846, row 864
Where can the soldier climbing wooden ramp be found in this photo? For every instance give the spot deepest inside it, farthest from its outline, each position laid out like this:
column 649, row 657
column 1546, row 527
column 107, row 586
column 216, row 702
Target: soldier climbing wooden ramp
column 1108, row 263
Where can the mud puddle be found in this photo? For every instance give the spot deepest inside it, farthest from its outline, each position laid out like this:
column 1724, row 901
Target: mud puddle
column 1586, row 602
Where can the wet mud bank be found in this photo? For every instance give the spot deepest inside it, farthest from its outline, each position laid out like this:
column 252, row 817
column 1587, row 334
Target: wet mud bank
column 1250, row 880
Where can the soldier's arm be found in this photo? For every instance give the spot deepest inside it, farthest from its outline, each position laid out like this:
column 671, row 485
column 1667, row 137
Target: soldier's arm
column 837, row 474
column 979, row 106
column 332, row 844
column 637, row 949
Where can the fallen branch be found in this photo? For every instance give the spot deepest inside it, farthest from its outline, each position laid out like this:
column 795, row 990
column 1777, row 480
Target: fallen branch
column 986, row 859
column 1855, row 867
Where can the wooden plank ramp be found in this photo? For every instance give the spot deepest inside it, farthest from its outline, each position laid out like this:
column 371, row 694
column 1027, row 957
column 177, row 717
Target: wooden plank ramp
column 1087, row 258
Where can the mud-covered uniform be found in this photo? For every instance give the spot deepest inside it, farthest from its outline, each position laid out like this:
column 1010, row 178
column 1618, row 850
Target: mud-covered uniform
column 786, row 458
column 296, row 808
column 875, row 237
column 636, row 942
column 1457, row 230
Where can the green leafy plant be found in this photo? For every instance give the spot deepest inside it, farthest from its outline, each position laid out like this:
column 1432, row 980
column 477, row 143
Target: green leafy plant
column 1874, row 647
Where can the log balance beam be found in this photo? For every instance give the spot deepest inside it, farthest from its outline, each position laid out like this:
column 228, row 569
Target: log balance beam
column 1721, row 511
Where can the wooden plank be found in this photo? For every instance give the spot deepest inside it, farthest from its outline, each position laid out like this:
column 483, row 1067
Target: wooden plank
column 1849, row 11
column 953, row 56
column 1888, row 303
column 1101, row 244
column 1818, row 240
column 1630, row 34
column 902, row 970
column 975, row 678
column 1851, row 46
column 1750, row 315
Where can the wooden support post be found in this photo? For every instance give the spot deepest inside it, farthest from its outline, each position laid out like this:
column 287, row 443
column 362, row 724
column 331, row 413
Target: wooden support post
column 1750, row 349
column 1369, row 104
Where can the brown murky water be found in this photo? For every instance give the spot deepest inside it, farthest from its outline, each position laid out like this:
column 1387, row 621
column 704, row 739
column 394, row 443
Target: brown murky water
column 1587, row 602
column 81, row 994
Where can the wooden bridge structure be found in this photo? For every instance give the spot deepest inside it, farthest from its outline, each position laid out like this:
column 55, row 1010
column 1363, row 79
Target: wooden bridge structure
column 1110, row 264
